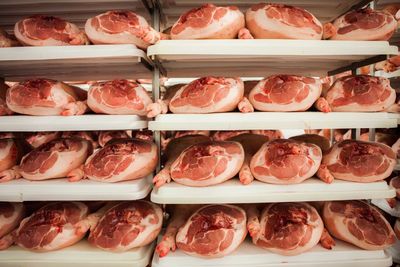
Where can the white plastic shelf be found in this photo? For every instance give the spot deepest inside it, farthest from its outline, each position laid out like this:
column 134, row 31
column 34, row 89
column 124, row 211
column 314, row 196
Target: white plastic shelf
column 62, row 190
column 193, row 58
column 324, row 10
column 233, row 191
column 383, row 205
column 18, row 123
column 79, row 255
column 75, row 11
column 250, row 255
column 74, row 63
column 273, row 120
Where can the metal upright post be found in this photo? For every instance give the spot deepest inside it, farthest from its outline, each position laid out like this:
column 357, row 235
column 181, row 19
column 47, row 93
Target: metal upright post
column 156, row 82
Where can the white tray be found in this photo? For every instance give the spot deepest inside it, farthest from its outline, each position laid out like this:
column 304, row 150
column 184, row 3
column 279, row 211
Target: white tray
column 75, row 11
column 324, row 10
column 89, row 122
column 383, row 205
column 273, row 120
column 74, row 63
column 79, row 255
column 62, row 190
column 233, row 191
column 192, row 58
column 249, row 255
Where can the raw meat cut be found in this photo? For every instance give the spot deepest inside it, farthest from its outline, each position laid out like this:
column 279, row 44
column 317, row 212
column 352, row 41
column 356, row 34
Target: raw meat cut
column 127, row 225
column 358, row 223
column 11, row 152
column 209, row 22
column 41, row 30
column 4, row 110
column 44, row 97
column 106, row 136
column 393, row 9
column 172, row 151
column 271, row 134
column 146, row 135
column 7, row 40
column 315, row 139
column 225, row 135
column 362, row 25
column 121, row 27
column 118, row 97
column 357, row 161
column 285, row 93
column 395, row 183
column 286, row 161
column 88, row 136
column 361, row 93
column 389, row 65
column 11, row 215
column 277, row 21
column 179, row 215
column 177, row 134
column 397, row 229
column 204, row 95
column 119, row 160
column 210, row 231
column 251, row 143
column 287, row 228
column 55, row 226
column 208, row 163
column 36, row 139
column 54, row 159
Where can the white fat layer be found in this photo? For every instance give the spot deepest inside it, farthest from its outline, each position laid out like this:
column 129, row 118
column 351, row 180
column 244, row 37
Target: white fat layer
column 66, row 162
column 363, row 34
column 259, row 160
column 5, row 152
column 228, row 103
column 278, row 27
column 126, row 37
column 118, row 110
column 233, row 167
column 142, row 165
column 318, row 227
column 232, row 21
column 8, row 224
column 334, row 157
column 341, row 231
column 239, row 228
column 59, row 97
column 314, row 93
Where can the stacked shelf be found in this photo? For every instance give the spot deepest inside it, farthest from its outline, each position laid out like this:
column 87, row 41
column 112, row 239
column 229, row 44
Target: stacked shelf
column 73, row 64
column 249, row 255
column 81, row 254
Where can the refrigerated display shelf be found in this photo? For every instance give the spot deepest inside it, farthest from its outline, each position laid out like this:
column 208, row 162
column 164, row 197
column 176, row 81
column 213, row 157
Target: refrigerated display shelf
column 18, row 123
column 233, row 191
column 273, row 120
column 384, row 205
column 249, row 255
column 79, row 255
column 74, row 63
column 75, row 11
column 194, row 58
column 323, row 10
column 62, row 190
